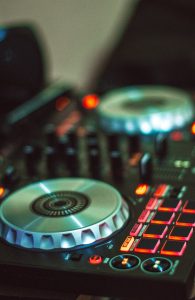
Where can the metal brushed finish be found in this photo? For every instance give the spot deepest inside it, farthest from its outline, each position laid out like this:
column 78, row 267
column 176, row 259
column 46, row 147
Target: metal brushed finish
column 20, row 225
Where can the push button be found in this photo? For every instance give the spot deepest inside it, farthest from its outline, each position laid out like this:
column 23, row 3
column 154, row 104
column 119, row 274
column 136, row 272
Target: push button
column 181, row 233
column 155, row 231
column 95, row 259
column 189, row 207
column 2, row 191
column 144, row 215
column 170, row 204
column 124, row 262
column 127, row 244
column 163, row 218
column 156, row 265
column 136, row 229
column 186, row 220
column 147, row 246
column 75, row 256
column 161, row 190
column 151, row 203
column 174, row 248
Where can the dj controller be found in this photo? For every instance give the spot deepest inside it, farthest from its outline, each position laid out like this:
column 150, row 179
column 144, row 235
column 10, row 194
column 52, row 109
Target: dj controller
column 98, row 193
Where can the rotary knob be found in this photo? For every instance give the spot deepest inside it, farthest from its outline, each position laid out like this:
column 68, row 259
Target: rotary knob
column 62, row 213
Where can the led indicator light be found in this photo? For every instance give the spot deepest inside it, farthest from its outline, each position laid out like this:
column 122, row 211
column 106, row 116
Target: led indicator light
column 193, row 128
column 95, row 259
column 176, row 136
column 125, row 261
column 2, row 191
column 141, row 189
column 90, row 102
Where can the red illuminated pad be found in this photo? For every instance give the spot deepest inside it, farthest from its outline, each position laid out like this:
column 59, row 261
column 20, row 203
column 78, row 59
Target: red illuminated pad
column 186, row 220
column 136, row 229
column 144, row 215
column 181, row 233
column 163, row 218
column 147, row 246
column 151, row 203
column 155, row 231
column 189, row 207
column 173, row 248
column 170, row 204
column 161, row 190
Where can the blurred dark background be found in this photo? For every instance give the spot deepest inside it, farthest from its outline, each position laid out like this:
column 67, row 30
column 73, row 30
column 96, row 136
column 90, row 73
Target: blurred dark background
column 97, row 45
column 157, row 47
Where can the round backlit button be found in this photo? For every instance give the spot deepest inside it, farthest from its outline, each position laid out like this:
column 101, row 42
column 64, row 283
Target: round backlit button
column 124, row 262
column 95, row 259
column 156, row 265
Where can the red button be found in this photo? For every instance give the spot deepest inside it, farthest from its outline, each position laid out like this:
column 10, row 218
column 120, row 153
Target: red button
column 155, row 231
column 173, row 248
column 95, row 259
column 147, row 246
column 181, row 233
column 186, row 220
column 136, row 229
column 144, row 215
column 163, row 218
column 151, row 203
column 170, row 204
column 189, row 207
column 161, row 190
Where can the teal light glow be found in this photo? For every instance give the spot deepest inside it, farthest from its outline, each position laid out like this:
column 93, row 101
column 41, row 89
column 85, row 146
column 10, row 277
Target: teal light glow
column 135, row 94
column 145, row 127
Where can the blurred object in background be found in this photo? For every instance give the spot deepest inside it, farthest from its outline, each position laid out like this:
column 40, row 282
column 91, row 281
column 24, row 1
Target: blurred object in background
column 22, row 65
column 77, row 34
column 157, row 47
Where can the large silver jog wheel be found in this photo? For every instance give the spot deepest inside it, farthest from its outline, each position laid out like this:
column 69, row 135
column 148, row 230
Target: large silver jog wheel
column 62, row 214
column 145, row 109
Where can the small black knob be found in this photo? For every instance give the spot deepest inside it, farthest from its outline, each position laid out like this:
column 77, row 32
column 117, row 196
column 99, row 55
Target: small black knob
column 134, row 144
column 161, row 145
column 145, row 168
